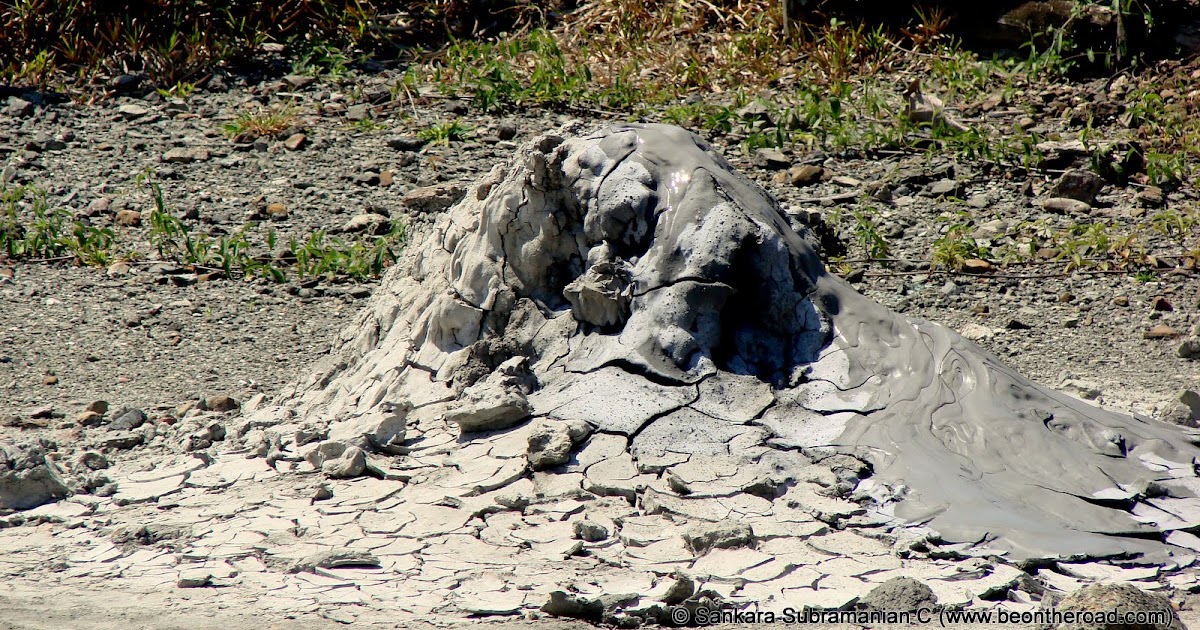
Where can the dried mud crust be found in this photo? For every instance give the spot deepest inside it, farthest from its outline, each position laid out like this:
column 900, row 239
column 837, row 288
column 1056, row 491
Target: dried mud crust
column 238, row 507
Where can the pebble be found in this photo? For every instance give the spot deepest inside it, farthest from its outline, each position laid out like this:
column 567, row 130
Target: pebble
column 1160, row 303
column 771, row 159
column 295, row 142
column 185, row 155
column 406, row 143
column 222, row 403
column 128, row 218
column 1161, row 331
column 1189, row 349
column 1064, row 205
column 1151, row 196
column 132, row 111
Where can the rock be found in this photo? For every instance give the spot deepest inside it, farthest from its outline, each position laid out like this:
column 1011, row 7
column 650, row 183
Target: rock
column 1120, row 300
column 334, row 559
column 186, row 155
column 506, row 132
column 1152, row 197
column 295, row 142
column 945, row 187
column 27, row 478
column 1015, row 324
column 574, row 606
column 682, row 588
column 359, row 112
column 1079, row 184
column 804, row 175
column 590, row 531
column 197, row 578
column 19, row 107
column 299, row 81
column 1161, row 331
column 1105, row 598
column 1064, row 205
column 704, row 537
column 205, row 437
column 222, row 403
column 50, row 379
column 382, row 429
column 432, row 198
column 406, row 143
column 1189, row 349
column 93, row 460
column 549, row 445
column 900, row 593
column 128, row 218
column 122, row 440
column 89, row 419
column 129, row 419
column 497, row 402
column 1161, row 304
column 132, row 111
column 602, row 295
column 771, row 159
column 368, row 223
column 277, row 211
column 976, row 265
column 337, row 460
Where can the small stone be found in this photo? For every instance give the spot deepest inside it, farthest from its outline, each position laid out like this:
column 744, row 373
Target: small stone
column 277, row 211
column 132, row 111
column 549, row 445
column 129, row 419
column 1151, row 196
column 27, row 478
column 1124, row 598
column 93, row 460
column 295, row 142
column 119, row 268
column 804, row 175
column 506, row 132
column 194, row 579
column 771, row 159
column 1161, row 331
column 1014, row 324
column 680, row 590
column 564, row 604
column 1079, row 184
column 590, row 531
column 1120, row 300
column 358, row 112
column 977, row 265
column 186, row 155
column 703, row 537
column 19, row 107
column 368, row 223
column 50, row 380
column 900, row 593
column 406, row 143
column 338, row 460
column 432, row 198
column 1160, row 303
column 322, row 493
column 299, row 81
column 42, row 412
column 128, row 218
column 1189, row 349
column 122, row 440
column 89, row 419
column 386, row 178
column 334, row 559
column 1064, row 205
column 945, row 187
column 222, row 403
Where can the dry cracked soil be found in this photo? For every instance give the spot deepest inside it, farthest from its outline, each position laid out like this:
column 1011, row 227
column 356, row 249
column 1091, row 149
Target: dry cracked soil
column 166, row 529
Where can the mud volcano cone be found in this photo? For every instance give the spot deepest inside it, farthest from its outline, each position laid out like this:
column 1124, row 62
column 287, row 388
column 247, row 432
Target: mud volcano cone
column 652, row 325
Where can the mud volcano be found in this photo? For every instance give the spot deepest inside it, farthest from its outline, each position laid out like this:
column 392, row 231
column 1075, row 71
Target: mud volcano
column 661, row 330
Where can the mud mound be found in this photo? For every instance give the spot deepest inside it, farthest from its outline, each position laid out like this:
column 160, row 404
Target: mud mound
column 628, row 284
